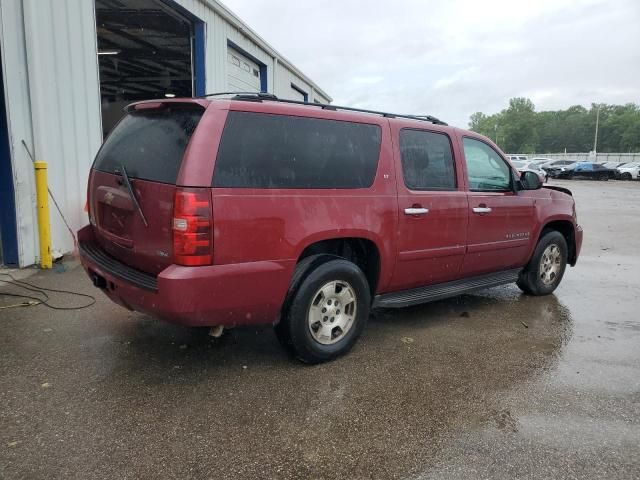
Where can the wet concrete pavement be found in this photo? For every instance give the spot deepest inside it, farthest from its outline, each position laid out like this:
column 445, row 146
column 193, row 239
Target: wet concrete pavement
column 454, row 389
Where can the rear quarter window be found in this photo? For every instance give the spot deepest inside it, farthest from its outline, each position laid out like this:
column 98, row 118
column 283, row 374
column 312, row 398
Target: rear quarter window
column 149, row 143
column 260, row 150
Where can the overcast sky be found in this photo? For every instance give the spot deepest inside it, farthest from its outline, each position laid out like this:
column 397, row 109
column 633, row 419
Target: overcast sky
column 453, row 58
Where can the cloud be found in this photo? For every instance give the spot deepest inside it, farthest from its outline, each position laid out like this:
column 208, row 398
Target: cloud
column 450, row 59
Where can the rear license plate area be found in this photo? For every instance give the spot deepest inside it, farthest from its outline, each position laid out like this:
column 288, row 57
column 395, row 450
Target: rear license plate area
column 116, row 221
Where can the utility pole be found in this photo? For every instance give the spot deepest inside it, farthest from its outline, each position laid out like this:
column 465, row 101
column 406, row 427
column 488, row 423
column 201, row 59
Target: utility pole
column 496, row 133
column 595, row 141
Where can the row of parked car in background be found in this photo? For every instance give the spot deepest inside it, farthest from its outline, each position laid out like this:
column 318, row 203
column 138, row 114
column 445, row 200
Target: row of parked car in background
column 547, row 168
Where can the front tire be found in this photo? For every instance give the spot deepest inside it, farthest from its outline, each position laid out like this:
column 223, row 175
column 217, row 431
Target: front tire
column 327, row 312
column 547, row 265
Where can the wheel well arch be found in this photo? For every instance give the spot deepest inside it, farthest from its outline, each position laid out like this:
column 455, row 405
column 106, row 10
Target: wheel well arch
column 361, row 251
column 566, row 228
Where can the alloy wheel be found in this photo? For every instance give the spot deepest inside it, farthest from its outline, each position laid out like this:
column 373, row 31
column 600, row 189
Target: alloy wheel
column 550, row 264
column 332, row 312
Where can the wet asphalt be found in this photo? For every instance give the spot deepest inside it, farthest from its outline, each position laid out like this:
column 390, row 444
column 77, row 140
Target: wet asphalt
column 490, row 385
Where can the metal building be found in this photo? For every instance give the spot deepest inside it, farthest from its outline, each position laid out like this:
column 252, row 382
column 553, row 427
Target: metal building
column 70, row 66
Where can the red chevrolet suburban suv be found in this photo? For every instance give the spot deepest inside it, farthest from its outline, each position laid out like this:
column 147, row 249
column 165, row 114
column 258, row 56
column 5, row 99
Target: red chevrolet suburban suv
column 254, row 210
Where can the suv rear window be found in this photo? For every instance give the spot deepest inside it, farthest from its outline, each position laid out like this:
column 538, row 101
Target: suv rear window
column 278, row 151
column 150, row 143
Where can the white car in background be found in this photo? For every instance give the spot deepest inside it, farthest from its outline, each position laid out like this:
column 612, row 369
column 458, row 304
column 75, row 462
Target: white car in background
column 541, row 160
column 629, row 171
column 530, row 167
column 613, row 164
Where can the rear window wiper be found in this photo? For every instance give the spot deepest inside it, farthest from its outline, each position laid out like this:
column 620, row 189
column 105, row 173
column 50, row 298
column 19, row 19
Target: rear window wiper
column 127, row 182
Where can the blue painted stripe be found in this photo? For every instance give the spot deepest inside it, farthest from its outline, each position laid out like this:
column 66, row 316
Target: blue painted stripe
column 200, row 83
column 8, row 225
column 199, row 49
column 263, row 77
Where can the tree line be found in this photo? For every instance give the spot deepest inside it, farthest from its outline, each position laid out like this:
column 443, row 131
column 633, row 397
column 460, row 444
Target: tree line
column 520, row 129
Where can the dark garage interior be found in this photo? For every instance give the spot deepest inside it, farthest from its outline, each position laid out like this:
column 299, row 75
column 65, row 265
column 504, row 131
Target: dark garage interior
column 145, row 51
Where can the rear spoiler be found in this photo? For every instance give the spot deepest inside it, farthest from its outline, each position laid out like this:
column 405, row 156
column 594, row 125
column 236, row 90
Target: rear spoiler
column 156, row 104
column 559, row 189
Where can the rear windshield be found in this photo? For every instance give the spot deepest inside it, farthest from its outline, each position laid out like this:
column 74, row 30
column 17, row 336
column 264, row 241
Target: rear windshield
column 150, row 143
column 278, row 151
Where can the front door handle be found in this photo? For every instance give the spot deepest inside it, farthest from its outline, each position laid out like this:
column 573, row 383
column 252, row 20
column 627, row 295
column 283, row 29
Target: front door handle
column 481, row 210
column 416, row 211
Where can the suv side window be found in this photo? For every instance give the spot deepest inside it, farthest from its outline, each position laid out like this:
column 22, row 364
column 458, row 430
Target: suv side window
column 259, row 150
column 486, row 170
column 427, row 160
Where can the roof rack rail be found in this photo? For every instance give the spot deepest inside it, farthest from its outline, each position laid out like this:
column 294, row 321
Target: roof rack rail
column 260, row 96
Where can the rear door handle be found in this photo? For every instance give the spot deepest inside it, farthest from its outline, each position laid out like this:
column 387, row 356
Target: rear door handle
column 481, row 210
column 416, row 211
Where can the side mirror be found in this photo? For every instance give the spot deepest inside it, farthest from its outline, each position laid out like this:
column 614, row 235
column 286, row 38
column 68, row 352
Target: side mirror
column 530, row 181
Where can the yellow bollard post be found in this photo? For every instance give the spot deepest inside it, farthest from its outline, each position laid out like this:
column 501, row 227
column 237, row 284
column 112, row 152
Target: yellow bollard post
column 44, row 226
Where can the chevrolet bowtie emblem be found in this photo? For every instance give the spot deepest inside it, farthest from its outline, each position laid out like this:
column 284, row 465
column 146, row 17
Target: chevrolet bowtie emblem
column 108, row 198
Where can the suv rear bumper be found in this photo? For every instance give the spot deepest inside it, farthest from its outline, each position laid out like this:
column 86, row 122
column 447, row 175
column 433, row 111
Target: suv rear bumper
column 235, row 294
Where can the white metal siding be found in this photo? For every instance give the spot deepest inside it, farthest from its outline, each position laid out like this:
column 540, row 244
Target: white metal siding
column 219, row 31
column 285, row 78
column 65, row 103
column 52, row 94
column 297, row 95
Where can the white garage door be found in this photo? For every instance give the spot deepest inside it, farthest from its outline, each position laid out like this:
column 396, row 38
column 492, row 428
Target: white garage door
column 243, row 74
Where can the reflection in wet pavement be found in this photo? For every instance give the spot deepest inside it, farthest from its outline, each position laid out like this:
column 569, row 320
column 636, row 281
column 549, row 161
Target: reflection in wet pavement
column 495, row 384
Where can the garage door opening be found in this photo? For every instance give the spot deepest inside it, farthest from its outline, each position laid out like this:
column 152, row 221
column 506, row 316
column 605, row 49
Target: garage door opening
column 147, row 49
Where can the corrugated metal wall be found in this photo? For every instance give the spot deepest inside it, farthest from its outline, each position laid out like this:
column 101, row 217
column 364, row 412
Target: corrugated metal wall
column 52, row 93
column 285, row 78
column 65, row 103
column 218, row 31
column 53, row 104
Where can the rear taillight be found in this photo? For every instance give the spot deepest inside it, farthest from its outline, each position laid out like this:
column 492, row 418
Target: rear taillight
column 192, row 236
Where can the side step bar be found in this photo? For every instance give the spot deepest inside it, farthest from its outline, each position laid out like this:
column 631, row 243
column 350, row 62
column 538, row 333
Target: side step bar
column 430, row 293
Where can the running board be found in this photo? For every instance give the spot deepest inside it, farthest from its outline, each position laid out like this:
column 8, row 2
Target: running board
column 430, row 293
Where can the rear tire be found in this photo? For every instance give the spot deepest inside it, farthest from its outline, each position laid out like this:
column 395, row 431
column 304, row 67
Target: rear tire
column 604, row 177
column 626, row 176
column 326, row 313
column 547, row 265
